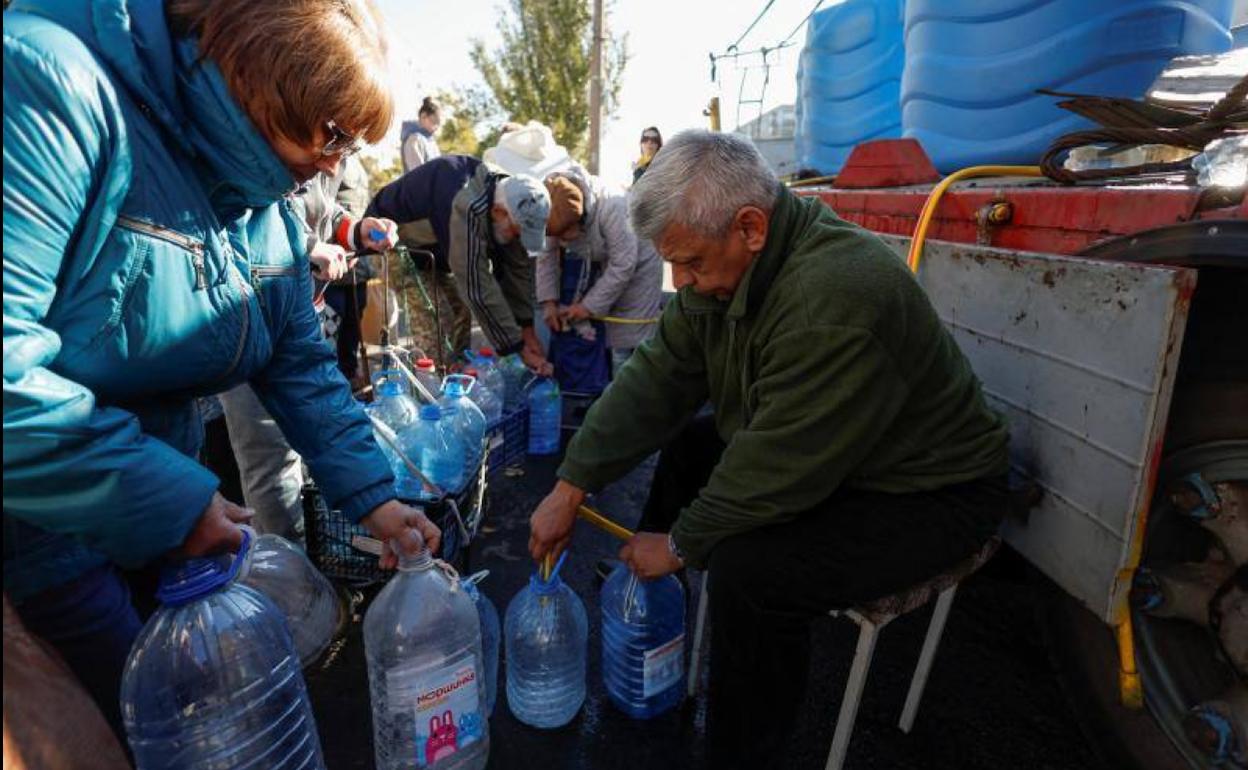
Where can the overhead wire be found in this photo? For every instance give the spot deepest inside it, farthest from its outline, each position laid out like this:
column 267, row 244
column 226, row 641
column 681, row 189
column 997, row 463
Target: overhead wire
column 753, row 24
column 800, row 24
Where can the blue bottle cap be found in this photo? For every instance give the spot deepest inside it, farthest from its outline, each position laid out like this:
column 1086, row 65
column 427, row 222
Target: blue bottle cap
column 430, row 412
column 195, row 578
column 453, row 388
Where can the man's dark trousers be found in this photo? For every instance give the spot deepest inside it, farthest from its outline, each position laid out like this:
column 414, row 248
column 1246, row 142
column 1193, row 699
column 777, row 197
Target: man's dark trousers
column 767, row 584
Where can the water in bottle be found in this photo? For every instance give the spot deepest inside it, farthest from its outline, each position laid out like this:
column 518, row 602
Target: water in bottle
column 312, row 608
column 399, row 412
column 213, row 679
column 422, row 640
column 545, row 414
column 489, row 401
column 467, row 419
column 515, row 376
column 491, row 372
column 491, row 633
column 643, row 643
column 441, row 453
column 545, row 633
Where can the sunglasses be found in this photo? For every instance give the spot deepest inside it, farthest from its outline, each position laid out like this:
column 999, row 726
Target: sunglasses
column 651, row 139
column 340, row 142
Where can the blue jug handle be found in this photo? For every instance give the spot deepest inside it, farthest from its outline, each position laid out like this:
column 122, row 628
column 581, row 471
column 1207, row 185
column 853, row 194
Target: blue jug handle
column 240, row 558
column 467, row 380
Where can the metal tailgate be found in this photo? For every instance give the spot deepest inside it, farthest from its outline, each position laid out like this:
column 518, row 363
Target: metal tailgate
column 1080, row 356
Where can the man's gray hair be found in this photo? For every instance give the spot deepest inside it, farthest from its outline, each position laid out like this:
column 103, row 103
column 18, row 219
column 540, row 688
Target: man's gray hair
column 700, row 180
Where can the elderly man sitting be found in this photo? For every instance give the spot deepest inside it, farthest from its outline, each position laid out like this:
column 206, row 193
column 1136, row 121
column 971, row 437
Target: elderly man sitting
column 850, row 453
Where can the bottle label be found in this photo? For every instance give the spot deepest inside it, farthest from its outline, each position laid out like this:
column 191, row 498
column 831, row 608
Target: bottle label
column 662, row 667
column 446, row 704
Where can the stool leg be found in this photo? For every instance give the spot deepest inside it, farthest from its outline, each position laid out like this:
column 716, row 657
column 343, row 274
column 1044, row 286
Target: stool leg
column 867, row 634
column 934, row 631
column 699, row 626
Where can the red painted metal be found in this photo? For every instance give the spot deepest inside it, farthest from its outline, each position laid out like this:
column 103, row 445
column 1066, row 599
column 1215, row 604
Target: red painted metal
column 1046, row 216
column 887, row 163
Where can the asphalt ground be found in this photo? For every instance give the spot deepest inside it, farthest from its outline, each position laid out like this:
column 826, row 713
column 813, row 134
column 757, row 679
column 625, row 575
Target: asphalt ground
column 992, row 700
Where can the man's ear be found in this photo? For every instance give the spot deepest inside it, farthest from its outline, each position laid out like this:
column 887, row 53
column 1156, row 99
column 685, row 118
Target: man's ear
column 753, row 223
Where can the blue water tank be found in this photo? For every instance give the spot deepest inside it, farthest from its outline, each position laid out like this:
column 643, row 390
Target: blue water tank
column 848, row 81
column 972, row 67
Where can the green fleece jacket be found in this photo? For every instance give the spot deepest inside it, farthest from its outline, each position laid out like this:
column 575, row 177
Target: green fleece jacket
column 827, row 368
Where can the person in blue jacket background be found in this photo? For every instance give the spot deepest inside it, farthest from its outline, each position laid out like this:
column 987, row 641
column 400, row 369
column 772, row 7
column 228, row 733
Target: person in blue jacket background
column 151, row 256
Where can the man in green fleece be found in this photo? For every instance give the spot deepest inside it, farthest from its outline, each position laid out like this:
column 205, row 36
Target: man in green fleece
column 850, row 453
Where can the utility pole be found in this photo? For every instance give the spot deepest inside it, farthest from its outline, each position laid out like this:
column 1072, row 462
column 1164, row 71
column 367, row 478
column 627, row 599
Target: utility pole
column 595, row 91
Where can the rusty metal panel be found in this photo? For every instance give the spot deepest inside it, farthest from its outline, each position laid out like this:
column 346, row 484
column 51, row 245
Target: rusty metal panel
column 1080, row 356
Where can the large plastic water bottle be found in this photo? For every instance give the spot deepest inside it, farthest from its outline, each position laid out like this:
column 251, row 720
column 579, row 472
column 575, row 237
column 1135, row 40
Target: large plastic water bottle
column 467, row 419
column 643, row 642
column 278, row 569
column 491, row 635
column 441, row 453
column 213, row 679
column 545, row 415
column 491, row 372
column 488, row 400
column 398, row 411
column 422, row 640
column 515, row 376
column 545, row 634
column 427, row 373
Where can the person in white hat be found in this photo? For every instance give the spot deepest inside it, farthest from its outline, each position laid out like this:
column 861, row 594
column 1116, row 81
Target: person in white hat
column 484, row 226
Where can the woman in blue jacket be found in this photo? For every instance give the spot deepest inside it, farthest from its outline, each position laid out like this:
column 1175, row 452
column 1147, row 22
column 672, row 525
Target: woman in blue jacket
column 151, row 256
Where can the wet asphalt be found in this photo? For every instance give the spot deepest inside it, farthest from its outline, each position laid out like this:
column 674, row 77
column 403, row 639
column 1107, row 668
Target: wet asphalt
column 992, row 700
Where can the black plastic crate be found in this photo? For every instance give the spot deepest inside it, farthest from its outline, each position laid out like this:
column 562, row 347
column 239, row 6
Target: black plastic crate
column 340, row 548
column 507, row 439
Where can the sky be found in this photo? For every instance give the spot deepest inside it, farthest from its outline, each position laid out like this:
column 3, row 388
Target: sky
column 667, row 81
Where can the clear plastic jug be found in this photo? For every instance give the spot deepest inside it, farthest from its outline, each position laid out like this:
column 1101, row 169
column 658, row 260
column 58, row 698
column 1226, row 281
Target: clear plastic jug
column 422, row 640
column 441, row 452
column 213, row 680
column 426, row 371
column 468, row 420
column 487, row 399
column 643, row 642
column 545, row 633
column 398, row 411
column 515, row 376
column 545, row 417
column 491, row 635
column 313, row 610
column 490, row 370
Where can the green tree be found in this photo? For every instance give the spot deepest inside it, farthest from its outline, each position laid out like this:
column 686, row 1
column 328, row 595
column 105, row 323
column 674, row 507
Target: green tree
column 471, row 121
column 378, row 175
column 541, row 71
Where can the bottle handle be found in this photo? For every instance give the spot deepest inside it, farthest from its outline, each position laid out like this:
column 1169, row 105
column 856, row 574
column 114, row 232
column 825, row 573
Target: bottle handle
column 243, row 557
column 467, row 380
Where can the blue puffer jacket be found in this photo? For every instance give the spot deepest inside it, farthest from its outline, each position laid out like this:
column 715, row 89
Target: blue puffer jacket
column 150, row 256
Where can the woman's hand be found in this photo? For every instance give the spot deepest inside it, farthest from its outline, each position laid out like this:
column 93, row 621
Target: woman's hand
column 217, row 529
column 329, row 261
column 392, row 520
column 378, row 234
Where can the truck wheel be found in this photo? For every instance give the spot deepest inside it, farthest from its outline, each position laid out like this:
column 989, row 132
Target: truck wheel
column 1178, row 660
column 1207, row 434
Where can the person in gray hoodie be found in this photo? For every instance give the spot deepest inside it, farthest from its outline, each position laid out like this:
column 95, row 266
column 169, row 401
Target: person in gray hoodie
column 591, row 221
